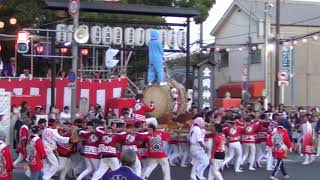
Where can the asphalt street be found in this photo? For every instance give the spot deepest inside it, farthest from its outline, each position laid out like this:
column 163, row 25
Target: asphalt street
column 295, row 169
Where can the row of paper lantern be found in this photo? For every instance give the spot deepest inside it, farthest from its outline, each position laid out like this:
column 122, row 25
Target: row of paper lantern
column 132, row 36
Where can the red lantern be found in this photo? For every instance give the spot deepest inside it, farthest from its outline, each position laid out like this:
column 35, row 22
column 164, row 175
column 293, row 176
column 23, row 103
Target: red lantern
column 40, row 49
column 84, row 52
column 64, row 50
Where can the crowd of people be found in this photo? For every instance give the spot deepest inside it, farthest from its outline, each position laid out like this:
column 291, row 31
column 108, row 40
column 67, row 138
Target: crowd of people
column 90, row 147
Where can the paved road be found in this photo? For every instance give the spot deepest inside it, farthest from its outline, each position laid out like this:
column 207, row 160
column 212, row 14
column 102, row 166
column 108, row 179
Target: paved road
column 294, row 168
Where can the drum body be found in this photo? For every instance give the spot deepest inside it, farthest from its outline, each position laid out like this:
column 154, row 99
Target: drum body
column 163, row 99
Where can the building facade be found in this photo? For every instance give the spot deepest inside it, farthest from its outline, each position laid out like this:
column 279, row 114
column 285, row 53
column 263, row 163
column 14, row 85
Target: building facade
column 232, row 43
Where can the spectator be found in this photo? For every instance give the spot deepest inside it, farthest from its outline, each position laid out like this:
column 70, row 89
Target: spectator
column 127, row 159
column 53, row 113
column 99, row 113
column 26, row 74
column 10, row 69
column 1, row 66
column 65, row 116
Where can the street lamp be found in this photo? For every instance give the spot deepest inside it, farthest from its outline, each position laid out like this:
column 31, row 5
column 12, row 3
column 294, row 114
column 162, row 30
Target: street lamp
column 1, row 24
column 84, row 52
column 13, row 21
column 63, row 51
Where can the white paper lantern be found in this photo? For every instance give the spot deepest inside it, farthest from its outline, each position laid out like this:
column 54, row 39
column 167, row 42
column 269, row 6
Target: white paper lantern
column 147, row 36
column 95, row 34
column 61, row 35
column 163, row 36
column 129, row 36
column 181, row 38
column 70, row 33
column 171, row 40
column 139, row 37
column 117, row 36
column 107, row 35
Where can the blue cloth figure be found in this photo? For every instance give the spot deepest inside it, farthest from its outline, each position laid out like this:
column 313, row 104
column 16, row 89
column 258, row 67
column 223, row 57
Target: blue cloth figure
column 156, row 54
column 121, row 173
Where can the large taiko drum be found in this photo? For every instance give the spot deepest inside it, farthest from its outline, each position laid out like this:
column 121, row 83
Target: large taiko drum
column 169, row 99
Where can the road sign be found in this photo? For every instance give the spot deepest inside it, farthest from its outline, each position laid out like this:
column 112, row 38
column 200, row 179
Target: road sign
column 74, row 6
column 283, row 83
column 71, row 76
column 283, row 75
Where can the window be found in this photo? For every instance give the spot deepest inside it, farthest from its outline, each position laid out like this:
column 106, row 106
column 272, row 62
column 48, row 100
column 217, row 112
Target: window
column 256, row 56
column 224, row 58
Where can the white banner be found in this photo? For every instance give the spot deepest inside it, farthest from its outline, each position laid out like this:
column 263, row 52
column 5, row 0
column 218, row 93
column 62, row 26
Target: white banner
column 5, row 107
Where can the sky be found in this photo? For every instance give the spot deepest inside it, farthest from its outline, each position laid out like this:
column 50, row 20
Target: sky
column 215, row 15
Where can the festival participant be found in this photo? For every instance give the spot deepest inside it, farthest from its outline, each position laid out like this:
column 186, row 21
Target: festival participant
column 198, row 150
column 156, row 152
column 6, row 165
column 217, row 153
column 23, row 139
column 140, row 108
column 262, row 138
column 35, row 154
column 65, row 150
column 142, row 146
column 233, row 132
column 308, row 148
column 130, row 140
column 106, row 150
column 156, row 55
column 279, row 141
column 50, row 137
column 248, row 139
column 90, row 142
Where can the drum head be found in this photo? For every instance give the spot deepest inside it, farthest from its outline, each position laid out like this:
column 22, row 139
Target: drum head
column 161, row 97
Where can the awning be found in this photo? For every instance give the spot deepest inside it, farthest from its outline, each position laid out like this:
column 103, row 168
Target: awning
column 255, row 89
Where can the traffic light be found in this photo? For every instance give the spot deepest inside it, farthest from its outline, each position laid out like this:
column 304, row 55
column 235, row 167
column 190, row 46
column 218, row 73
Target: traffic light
column 39, row 49
column 22, row 42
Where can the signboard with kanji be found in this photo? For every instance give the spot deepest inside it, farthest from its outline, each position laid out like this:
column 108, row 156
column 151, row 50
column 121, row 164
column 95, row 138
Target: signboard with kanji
column 285, row 59
column 206, row 86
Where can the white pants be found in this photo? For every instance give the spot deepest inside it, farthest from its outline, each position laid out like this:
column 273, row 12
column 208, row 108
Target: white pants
column 153, row 163
column 261, row 151
column 214, row 173
column 91, row 166
column 18, row 160
column 249, row 151
column 137, row 166
column 77, row 164
column 64, row 167
column 234, row 150
column 184, row 150
column 51, row 165
column 175, row 154
column 144, row 164
column 269, row 159
column 199, row 160
column 105, row 164
column 208, row 144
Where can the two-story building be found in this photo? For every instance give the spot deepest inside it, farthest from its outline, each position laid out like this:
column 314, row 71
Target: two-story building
column 240, row 22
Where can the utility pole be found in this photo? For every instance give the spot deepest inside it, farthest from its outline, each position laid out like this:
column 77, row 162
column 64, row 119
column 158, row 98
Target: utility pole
column 74, row 69
column 266, row 54
column 276, row 86
column 246, row 94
